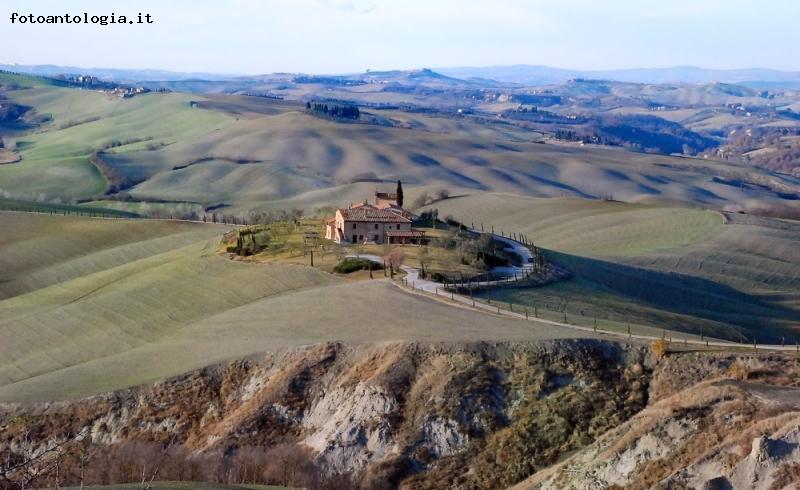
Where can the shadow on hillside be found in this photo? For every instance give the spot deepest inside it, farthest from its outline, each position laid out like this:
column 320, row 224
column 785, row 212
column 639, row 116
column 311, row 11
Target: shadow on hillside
column 688, row 295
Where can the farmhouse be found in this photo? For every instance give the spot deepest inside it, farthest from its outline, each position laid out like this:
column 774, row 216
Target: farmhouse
column 382, row 222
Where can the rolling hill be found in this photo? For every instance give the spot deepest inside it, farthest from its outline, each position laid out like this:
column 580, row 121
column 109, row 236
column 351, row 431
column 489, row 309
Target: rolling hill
column 252, row 152
column 91, row 305
column 690, row 270
column 77, row 324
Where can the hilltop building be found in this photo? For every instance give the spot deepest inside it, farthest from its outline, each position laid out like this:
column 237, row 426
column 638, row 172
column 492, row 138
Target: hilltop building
column 381, row 222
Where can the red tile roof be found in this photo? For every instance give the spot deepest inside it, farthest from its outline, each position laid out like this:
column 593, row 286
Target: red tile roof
column 369, row 213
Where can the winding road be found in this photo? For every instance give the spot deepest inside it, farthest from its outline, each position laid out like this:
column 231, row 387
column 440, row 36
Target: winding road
column 413, row 284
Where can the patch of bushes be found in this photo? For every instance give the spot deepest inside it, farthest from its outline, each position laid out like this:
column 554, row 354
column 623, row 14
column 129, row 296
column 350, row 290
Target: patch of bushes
column 249, row 242
column 351, row 264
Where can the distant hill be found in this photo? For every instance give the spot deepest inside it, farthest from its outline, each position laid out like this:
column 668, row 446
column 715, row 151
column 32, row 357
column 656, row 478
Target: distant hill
column 543, row 75
column 467, row 75
column 113, row 74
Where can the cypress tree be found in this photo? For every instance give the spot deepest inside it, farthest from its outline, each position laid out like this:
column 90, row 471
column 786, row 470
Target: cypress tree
column 399, row 194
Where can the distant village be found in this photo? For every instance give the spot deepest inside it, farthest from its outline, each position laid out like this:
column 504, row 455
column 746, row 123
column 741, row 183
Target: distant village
column 92, row 82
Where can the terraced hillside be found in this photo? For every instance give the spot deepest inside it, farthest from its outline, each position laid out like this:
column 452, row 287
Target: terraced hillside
column 251, row 152
column 693, row 270
column 91, row 305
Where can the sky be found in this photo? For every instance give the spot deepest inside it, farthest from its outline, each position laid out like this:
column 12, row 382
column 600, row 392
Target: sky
column 346, row 36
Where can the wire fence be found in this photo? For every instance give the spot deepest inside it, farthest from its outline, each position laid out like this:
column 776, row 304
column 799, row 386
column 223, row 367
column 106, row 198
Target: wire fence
column 599, row 325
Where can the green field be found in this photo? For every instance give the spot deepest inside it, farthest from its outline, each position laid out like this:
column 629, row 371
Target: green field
column 55, row 159
column 677, row 268
column 92, row 305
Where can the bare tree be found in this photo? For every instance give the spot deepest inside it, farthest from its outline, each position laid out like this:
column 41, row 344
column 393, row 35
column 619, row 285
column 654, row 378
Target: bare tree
column 395, row 258
column 162, row 456
column 35, row 462
column 290, row 465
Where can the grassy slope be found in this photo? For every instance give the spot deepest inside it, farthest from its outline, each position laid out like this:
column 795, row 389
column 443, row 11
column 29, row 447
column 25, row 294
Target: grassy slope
column 55, row 160
column 585, row 227
column 253, row 152
column 625, row 256
column 161, row 312
column 21, row 80
column 113, row 211
column 294, row 153
column 41, row 251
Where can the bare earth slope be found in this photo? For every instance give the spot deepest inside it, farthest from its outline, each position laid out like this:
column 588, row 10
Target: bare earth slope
column 430, row 415
column 706, row 432
column 446, row 415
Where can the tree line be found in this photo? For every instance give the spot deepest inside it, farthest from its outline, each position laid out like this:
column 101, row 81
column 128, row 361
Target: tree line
column 337, row 111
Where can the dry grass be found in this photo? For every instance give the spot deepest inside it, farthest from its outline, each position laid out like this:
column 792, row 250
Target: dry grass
column 659, row 348
column 787, row 474
column 739, row 370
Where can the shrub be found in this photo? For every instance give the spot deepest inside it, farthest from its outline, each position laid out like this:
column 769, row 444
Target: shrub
column 350, row 264
column 438, row 276
column 659, row 348
column 739, row 370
